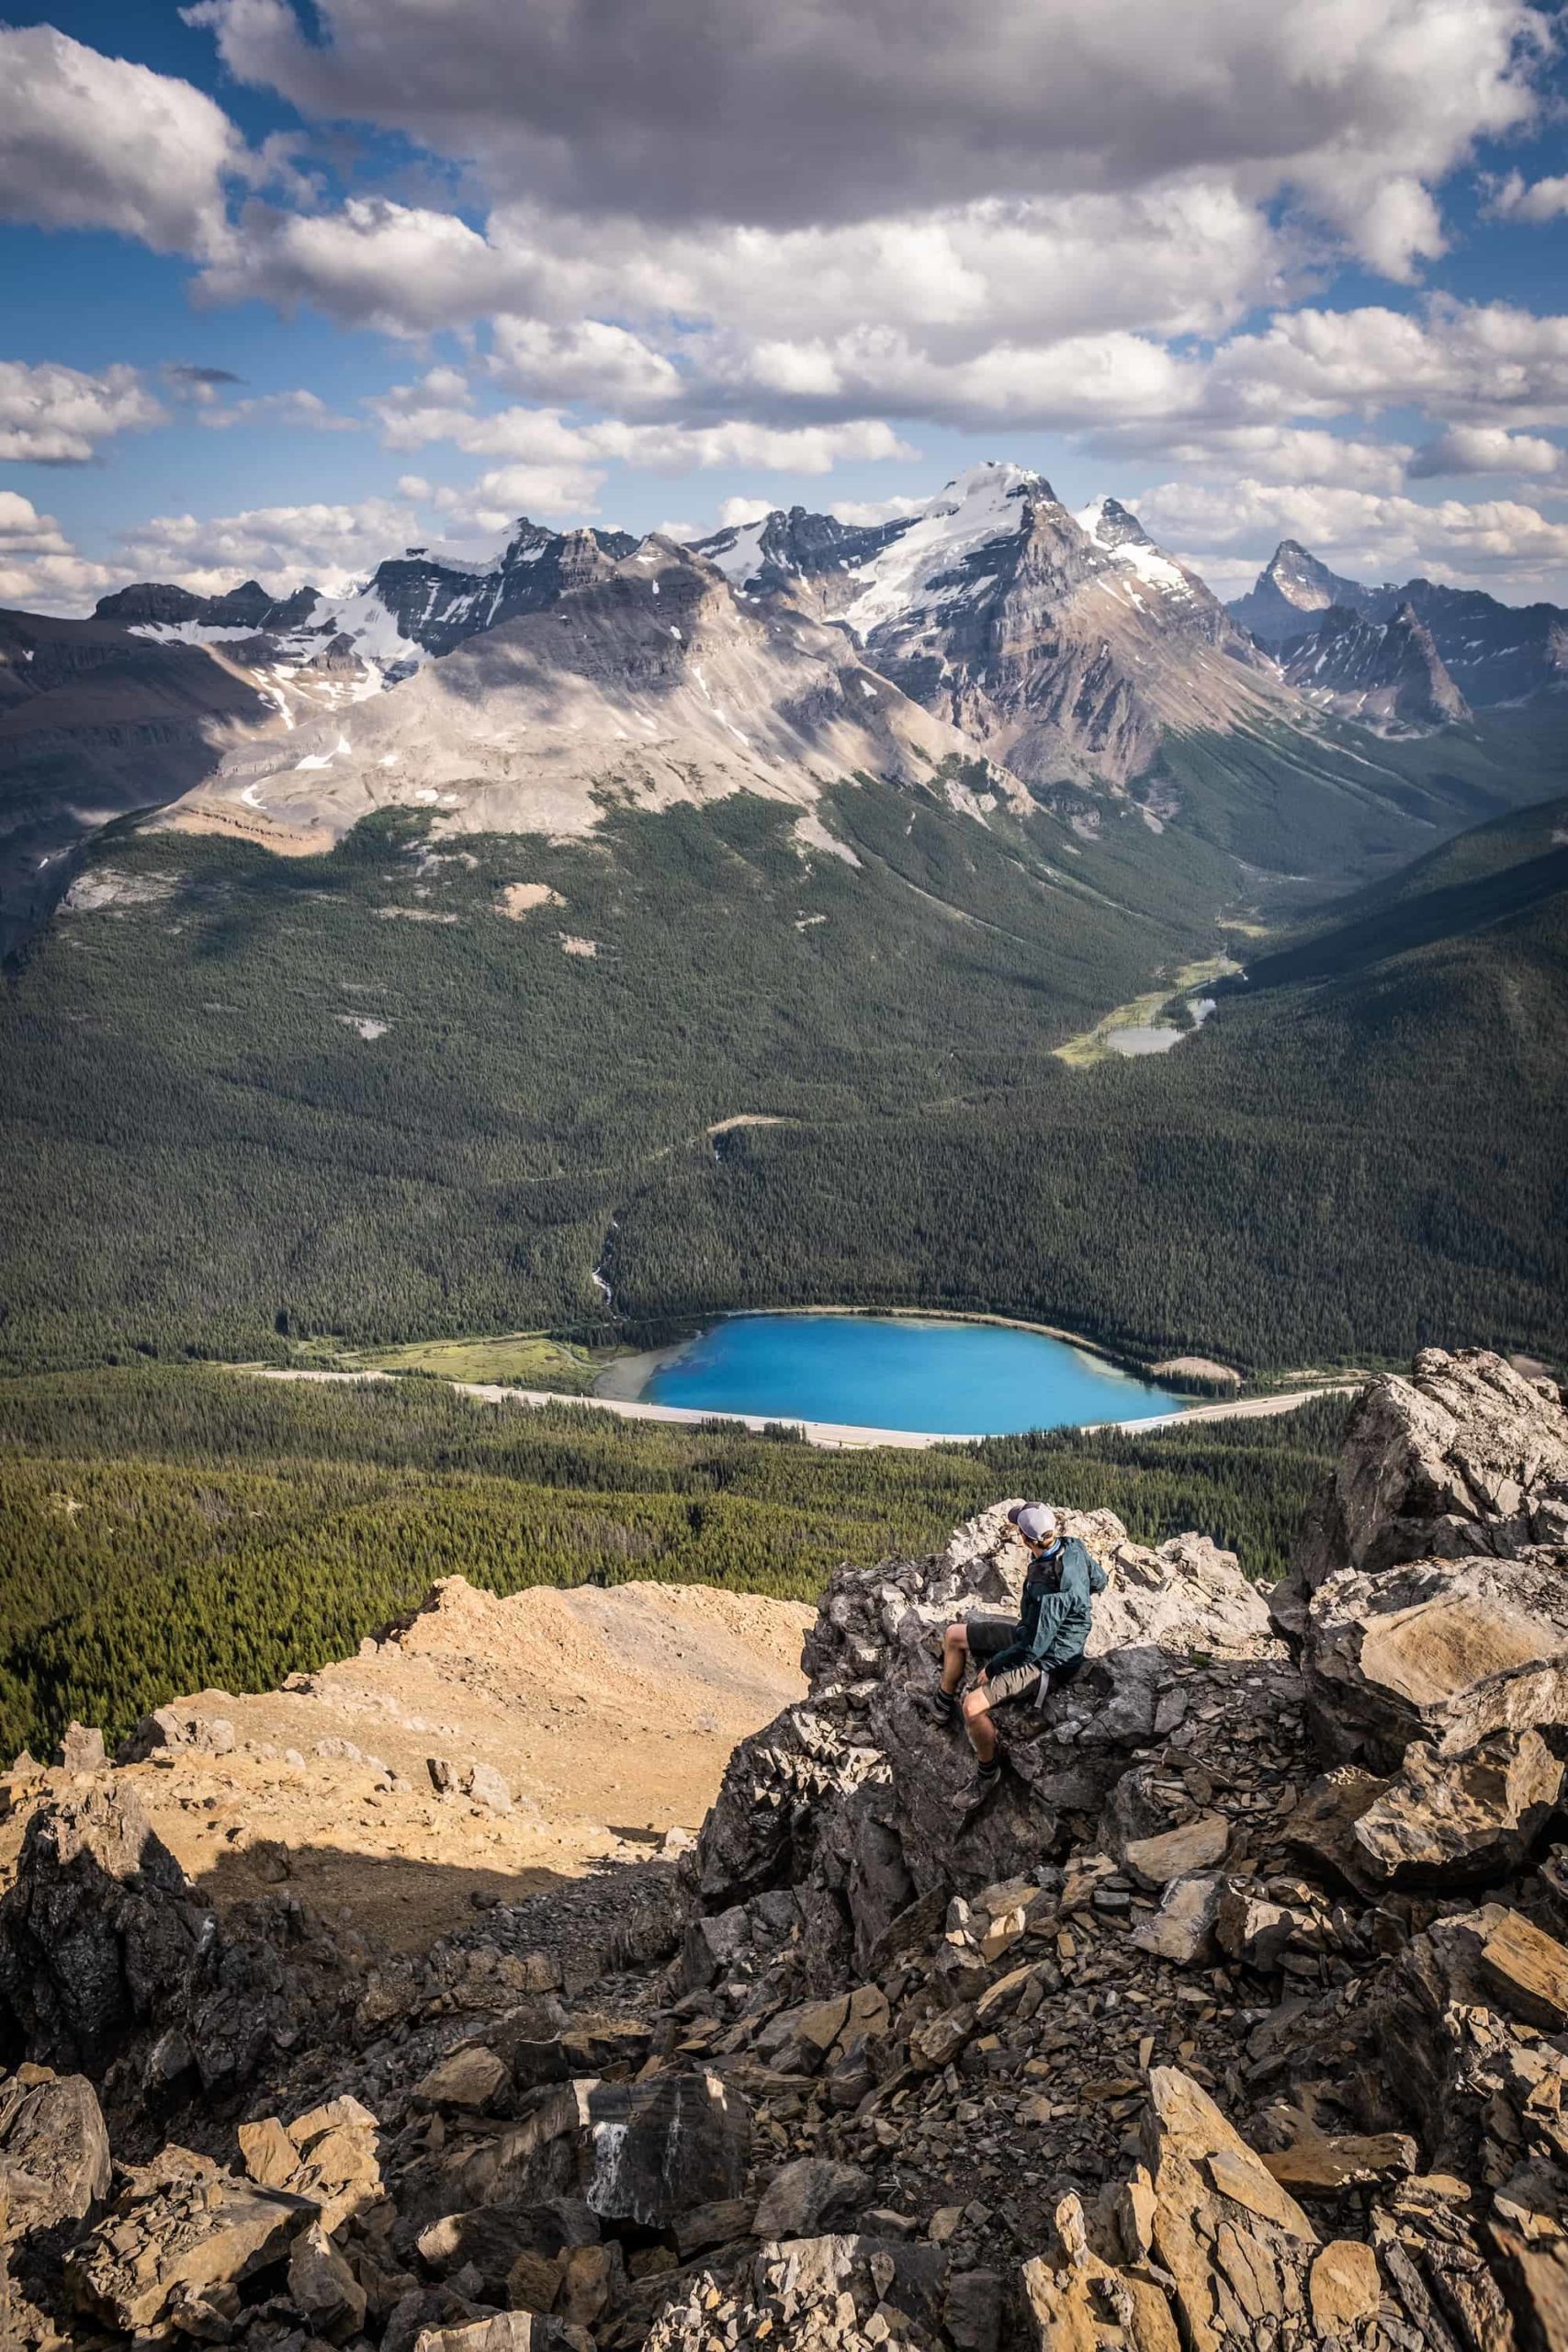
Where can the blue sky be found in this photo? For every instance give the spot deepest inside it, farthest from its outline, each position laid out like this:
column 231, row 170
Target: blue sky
column 284, row 289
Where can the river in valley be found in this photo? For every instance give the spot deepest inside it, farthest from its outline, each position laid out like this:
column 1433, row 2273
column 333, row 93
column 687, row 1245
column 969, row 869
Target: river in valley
column 893, row 1372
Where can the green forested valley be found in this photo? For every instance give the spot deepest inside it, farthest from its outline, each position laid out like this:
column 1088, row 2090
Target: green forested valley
column 169, row 1528
column 250, row 1100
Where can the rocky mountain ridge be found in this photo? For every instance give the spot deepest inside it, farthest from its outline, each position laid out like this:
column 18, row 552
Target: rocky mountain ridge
column 1387, row 674
column 642, row 681
column 1492, row 653
column 1066, row 652
column 1236, row 2018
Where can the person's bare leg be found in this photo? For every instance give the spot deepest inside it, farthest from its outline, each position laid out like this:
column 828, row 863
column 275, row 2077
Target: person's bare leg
column 954, row 1651
column 978, row 1723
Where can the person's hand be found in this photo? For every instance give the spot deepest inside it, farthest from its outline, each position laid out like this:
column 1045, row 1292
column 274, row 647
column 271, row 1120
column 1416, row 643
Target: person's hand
column 982, row 1678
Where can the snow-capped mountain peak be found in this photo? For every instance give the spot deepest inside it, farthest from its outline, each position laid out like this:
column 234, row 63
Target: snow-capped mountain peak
column 1117, row 532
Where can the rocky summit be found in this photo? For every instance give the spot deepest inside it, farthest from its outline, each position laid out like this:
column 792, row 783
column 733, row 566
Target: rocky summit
column 1238, row 2015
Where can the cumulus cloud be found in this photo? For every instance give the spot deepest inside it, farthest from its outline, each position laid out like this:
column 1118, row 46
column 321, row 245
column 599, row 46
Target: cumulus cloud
column 1517, row 199
column 1356, row 531
column 323, row 546
column 89, row 141
column 39, row 569
column 802, row 113
column 1184, row 260
column 59, row 416
column 439, row 407
column 1486, row 449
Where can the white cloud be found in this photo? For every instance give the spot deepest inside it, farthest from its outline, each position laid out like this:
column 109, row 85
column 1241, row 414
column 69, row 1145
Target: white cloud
column 88, row 142
column 1486, row 449
column 39, row 569
column 735, row 512
column 58, row 416
column 1517, row 199
column 285, row 547
column 1185, row 259
column 303, row 409
column 558, row 492
column 404, row 269
column 439, row 407
column 784, row 112
column 874, row 510
column 1473, row 361
column 586, row 359
column 1355, row 531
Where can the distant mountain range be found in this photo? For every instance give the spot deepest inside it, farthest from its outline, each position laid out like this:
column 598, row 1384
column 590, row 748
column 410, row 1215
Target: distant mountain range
column 992, row 645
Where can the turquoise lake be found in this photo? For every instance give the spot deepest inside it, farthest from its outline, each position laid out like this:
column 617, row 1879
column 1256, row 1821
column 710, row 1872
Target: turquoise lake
column 951, row 1379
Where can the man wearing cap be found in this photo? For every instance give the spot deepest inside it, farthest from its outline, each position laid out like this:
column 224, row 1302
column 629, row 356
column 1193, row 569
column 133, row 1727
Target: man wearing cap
column 1026, row 1656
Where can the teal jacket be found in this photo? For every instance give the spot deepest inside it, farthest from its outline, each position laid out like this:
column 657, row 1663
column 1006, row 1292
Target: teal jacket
column 1054, row 1616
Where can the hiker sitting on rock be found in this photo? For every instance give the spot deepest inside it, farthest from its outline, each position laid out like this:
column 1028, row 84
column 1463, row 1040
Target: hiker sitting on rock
column 1029, row 1656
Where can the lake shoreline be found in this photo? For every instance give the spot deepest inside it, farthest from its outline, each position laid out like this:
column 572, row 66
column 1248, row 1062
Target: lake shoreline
column 625, row 1381
column 831, row 1436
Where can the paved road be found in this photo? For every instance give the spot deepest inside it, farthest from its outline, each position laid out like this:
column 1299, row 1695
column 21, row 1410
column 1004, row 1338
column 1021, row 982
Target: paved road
column 835, row 1435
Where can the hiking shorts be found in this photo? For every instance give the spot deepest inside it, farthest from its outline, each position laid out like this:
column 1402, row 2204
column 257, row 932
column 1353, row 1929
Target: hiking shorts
column 989, row 1637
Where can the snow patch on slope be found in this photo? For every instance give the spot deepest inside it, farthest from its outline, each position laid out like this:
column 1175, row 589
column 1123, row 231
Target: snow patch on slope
column 979, row 506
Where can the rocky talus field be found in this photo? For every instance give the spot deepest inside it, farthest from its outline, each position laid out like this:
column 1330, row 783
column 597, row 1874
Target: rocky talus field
column 1237, row 2017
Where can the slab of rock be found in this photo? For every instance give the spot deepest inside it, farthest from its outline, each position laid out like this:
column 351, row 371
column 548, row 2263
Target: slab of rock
column 1326, row 2163
column 54, row 2151
column 1452, row 1820
column 1194, row 1847
column 505, row 2332
column 808, row 2195
column 1443, row 1651
column 1526, row 1971
column 1182, row 1929
column 323, row 2287
column 1344, row 2288
column 642, row 2152
column 95, row 1930
column 81, row 1749
column 470, row 2077
column 182, row 2232
column 1464, row 1456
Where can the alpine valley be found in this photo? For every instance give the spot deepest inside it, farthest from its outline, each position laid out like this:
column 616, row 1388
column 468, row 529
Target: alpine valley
column 594, row 933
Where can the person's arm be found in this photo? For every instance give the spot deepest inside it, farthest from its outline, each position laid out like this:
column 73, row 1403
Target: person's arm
column 1071, row 1594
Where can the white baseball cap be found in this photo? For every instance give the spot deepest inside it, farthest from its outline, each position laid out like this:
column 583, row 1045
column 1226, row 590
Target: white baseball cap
column 1036, row 1522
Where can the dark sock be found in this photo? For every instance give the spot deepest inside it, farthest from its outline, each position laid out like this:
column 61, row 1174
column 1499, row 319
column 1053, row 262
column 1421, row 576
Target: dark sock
column 987, row 1773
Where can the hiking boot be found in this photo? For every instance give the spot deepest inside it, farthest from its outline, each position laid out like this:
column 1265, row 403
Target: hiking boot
column 941, row 1706
column 986, row 1776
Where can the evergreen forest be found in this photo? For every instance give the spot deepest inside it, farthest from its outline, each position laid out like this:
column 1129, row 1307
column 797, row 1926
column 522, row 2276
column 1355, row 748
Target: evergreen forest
column 169, row 1529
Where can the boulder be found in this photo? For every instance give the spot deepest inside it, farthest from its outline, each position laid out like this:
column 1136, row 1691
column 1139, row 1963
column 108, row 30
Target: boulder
column 1446, row 1651
column 802, row 2200
column 1464, row 1456
column 176, row 1727
column 826, row 2291
column 328, row 2154
column 322, row 2287
column 634, row 2152
column 471, row 2077
column 1452, row 1820
column 183, row 2233
column 1195, row 1845
column 1182, row 1929
column 54, row 2151
column 505, row 2332
column 97, row 1929
column 81, row 1749
column 481, row 1783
